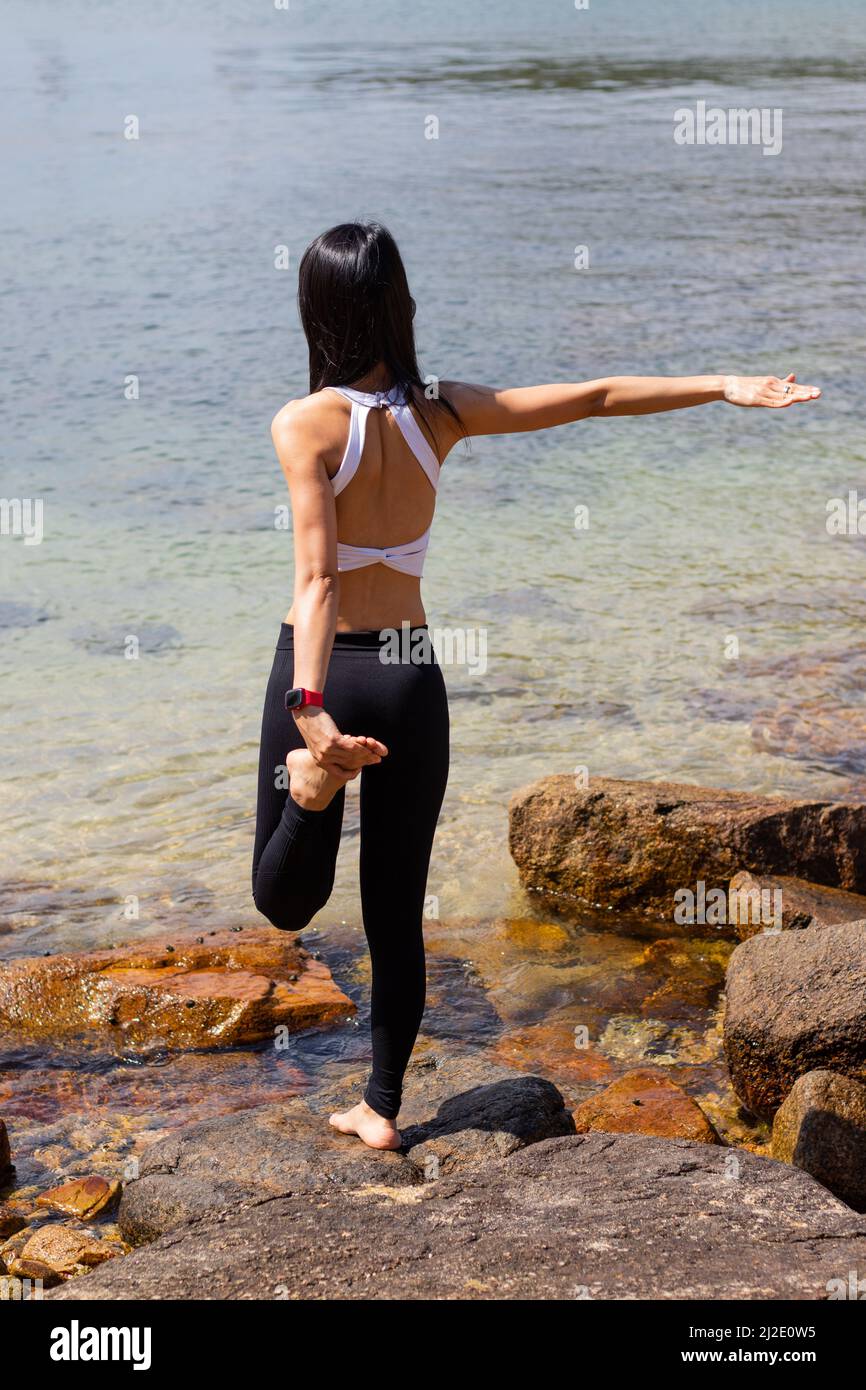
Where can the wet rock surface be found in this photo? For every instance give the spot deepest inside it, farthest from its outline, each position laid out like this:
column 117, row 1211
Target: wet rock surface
column 821, row 1127
column 635, row 844
column 55, row 1254
column 795, row 1002
column 84, row 1198
column 597, row 1215
column 187, row 991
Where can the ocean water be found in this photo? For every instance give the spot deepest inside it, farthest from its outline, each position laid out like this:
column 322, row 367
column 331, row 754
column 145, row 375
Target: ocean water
column 704, row 627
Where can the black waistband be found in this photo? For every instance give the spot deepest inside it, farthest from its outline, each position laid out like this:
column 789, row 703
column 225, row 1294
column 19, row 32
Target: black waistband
column 354, row 641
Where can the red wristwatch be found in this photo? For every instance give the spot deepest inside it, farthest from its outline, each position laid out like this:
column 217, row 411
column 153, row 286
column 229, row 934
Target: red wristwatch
column 299, row 697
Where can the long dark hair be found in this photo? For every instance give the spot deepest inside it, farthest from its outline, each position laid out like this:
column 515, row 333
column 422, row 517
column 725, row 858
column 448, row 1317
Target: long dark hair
column 357, row 312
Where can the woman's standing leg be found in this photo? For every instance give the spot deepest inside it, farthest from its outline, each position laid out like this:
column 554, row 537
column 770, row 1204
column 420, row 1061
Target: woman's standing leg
column 400, row 802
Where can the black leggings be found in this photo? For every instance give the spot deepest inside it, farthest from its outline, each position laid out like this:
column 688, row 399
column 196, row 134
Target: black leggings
column 405, row 706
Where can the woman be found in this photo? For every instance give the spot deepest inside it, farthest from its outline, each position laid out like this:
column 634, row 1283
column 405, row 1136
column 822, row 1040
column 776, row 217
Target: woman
column 361, row 455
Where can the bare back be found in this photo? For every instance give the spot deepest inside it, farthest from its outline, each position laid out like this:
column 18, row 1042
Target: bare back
column 388, row 502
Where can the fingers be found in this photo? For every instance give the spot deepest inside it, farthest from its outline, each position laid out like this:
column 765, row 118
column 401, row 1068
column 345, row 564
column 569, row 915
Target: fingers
column 351, row 753
column 803, row 393
column 795, row 395
column 777, row 393
column 362, row 743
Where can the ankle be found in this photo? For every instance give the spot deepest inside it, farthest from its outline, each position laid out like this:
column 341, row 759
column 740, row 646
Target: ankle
column 303, row 797
column 377, row 1114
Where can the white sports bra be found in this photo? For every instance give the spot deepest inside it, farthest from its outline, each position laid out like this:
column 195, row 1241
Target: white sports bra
column 409, row 557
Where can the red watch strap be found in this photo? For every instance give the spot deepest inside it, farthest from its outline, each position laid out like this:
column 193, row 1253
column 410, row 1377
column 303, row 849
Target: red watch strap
column 312, row 697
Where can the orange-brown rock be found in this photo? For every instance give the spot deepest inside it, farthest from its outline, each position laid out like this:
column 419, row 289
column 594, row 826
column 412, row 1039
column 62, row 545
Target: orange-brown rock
column 645, row 1101
column 56, row 1253
column 754, row 900
column 181, row 992
column 629, row 845
column 82, row 1197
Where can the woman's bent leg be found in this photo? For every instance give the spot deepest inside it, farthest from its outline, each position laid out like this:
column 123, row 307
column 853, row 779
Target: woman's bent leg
column 294, row 875
column 296, row 848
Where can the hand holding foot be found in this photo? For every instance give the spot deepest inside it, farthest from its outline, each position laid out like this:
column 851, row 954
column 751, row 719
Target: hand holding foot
column 336, row 752
column 311, row 786
column 375, row 1131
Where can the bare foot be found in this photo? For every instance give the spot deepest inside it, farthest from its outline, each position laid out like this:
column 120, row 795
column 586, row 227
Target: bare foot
column 373, row 1129
column 310, row 785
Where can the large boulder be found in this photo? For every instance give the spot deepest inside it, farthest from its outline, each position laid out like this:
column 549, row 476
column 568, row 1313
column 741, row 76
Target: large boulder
column 821, row 1127
column 459, row 1111
column 184, row 991
column 634, row 845
column 251, row 1154
column 605, row 1216
column 795, row 1002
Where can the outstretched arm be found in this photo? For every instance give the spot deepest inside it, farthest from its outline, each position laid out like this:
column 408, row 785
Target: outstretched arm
column 485, row 410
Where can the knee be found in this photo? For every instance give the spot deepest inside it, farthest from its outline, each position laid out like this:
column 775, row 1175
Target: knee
column 284, row 910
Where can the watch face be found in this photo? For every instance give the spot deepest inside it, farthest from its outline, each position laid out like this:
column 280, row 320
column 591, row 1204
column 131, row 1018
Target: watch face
column 294, row 698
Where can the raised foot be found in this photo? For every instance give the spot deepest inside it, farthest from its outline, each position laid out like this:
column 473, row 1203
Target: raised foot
column 375, row 1131
column 311, row 786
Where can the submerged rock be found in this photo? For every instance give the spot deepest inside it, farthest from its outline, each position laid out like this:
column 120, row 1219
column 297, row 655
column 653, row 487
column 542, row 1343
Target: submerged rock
column 823, row 730
column 554, row 1048
column 612, row 1216
column 683, row 975
column 800, row 904
column 821, row 1127
column 795, row 1002
column 645, row 1101
column 629, row 845
column 187, row 991
column 657, row 1041
column 290, row 1148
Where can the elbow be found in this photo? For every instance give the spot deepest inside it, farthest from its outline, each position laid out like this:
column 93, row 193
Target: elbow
column 598, row 401
column 319, row 588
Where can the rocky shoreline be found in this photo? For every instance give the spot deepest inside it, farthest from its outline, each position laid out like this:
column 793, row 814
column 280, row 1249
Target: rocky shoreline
column 505, row 1187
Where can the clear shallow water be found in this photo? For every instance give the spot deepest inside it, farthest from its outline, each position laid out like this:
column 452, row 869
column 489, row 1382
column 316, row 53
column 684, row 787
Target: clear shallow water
column 606, row 648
